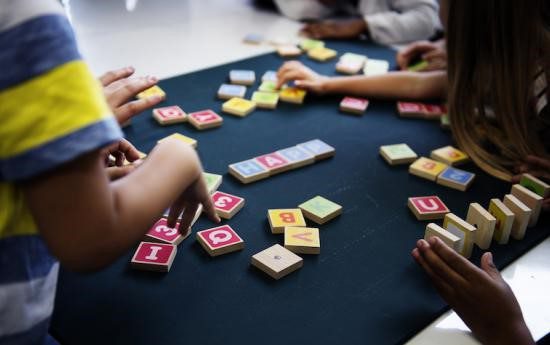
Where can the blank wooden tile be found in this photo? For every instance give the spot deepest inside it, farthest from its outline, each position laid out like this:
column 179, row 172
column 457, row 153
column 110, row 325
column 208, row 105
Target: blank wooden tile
column 277, row 261
column 522, row 214
column 485, row 223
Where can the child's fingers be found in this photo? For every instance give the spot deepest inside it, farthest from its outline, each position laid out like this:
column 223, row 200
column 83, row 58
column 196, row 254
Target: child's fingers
column 188, row 216
column 453, row 260
column 115, row 75
column 130, row 88
column 441, row 286
column 175, row 210
column 434, row 54
column 129, row 150
column 440, row 267
column 208, row 208
column 130, row 109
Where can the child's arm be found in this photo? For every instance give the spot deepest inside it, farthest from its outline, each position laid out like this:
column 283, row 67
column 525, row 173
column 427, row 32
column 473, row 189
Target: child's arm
column 394, row 85
column 88, row 221
column 479, row 296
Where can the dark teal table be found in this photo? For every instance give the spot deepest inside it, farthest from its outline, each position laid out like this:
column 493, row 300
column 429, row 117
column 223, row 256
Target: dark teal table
column 364, row 287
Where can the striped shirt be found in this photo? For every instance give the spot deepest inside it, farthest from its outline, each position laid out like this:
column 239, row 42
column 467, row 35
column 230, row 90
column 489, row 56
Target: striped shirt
column 52, row 111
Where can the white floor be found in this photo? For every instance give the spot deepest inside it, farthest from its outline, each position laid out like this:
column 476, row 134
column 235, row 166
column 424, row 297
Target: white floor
column 170, row 37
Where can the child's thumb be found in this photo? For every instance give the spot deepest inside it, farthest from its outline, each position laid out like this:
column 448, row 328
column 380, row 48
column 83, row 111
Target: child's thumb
column 488, row 266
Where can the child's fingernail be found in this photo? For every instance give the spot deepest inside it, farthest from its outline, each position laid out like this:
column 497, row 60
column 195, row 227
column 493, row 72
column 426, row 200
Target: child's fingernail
column 152, row 79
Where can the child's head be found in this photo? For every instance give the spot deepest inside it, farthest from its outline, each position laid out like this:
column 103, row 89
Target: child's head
column 495, row 48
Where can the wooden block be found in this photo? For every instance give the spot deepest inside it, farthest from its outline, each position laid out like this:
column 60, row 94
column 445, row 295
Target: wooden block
column 220, row 240
column 248, row 171
column 463, row 230
column 484, row 222
column 353, row 57
column 427, row 168
column 456, row 178
column 281, row 218
column 302, row 240
column 142, row 156
column 410, row 109
column 434, row 111
column 531, row 200
column 536, row 185
column 226, row 205
column 213, row 181
column 320, row 210
column 280, row 41
column 449, row 155
column 434, row 230
column 398, row 154
column 268, row 86
column 318, row 148
column 274, row 163
column 270, row 76
column 277, row 261
column 321, row 54
column 288, row 51
column 238, row 106
column 157, row 257
column 154, row 90
column 522, row 214
column 428, row 207
column 242, row 77
column 161, row 233
column 182, row 138
column 418, row 66
column 292, row 95
column 297, row 157
column 228, row 91
column 505, row 220
column 169, row 115
column 349, row 67
column 445, row 121
column 376, row 67
column 253, row 39
column 205, row 119
column 308, row 44
column 354, row 105
column 265, row 100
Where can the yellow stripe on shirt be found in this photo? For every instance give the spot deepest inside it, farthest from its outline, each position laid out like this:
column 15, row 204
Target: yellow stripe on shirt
column 15, row 218
column 49, row 106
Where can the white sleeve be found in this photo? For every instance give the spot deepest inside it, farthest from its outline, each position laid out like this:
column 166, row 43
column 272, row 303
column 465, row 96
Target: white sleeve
column 302, row 9
column 404, row 21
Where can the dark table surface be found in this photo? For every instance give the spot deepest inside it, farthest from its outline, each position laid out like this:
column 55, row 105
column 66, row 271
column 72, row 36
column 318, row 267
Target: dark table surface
column 364, row 287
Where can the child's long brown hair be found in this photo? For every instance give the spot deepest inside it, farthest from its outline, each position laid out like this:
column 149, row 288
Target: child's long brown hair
column 495, row 48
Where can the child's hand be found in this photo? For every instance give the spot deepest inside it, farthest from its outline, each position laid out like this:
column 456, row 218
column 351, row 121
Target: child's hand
column 348, row 28
column 434, row 53
column 188, row 203
column 302, row 76
column 119, row 89
column 120, row 151
column 538, row 167
column 480, row 297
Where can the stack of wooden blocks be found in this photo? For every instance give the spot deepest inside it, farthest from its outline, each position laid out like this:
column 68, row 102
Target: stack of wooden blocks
column 503, row 218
